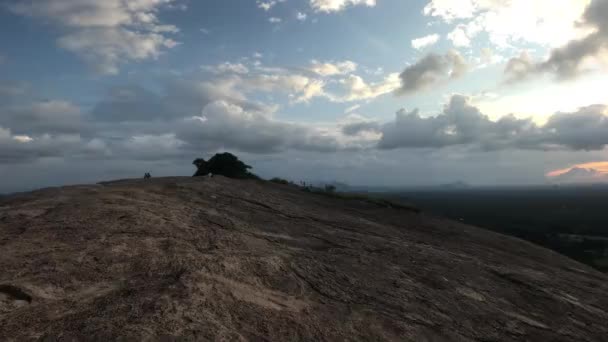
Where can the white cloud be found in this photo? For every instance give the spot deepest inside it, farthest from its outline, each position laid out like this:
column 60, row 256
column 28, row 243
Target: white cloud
column 338, row 5
column 574, row 58
column 459, row 37
column 332, row 68
column 267, row 5
column 275, row 20
column 227, row 67
column 301, row 16
column 105, row 49
column 507, row 22
column 227, row 126
column 426, row 41
column 357, row 89
column 352, row 108
column 106, row 33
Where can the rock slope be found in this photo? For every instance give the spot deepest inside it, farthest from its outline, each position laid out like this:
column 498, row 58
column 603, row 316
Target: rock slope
column 227, row 260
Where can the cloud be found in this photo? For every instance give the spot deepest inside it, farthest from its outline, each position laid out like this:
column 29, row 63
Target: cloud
column 356, row 128
column 545, row 22
column 107, row 33
column 136, row 124
column 301, row 16
column 267, row 5
column 592, row 172
column 332, row 68
column 459, row 37
column 568, row 61
column 460, row 123
column 579, row 175
column 23, row 148
column 586, row 129
column 519, row 68
column 275, row 20
column 224, row 125
column 335, row 81
column 426, row 41
column 355, row 88
column 227, row 67
column 431, row 70
column 11, row 90
column 303, row 84
column 55, row 117
column 328, row 6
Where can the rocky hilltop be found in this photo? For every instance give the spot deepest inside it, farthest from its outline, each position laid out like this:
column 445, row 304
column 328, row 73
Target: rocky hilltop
column 220, row 259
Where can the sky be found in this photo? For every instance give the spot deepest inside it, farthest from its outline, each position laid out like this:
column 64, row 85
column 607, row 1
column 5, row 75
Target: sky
column 365, row 92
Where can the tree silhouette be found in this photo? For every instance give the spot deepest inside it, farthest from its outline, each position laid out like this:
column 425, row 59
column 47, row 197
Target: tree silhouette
column 225, row 164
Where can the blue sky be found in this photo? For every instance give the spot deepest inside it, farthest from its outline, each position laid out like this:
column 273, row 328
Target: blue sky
column 377, row 92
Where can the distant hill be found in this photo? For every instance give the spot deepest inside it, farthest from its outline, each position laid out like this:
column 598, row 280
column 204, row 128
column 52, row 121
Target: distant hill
column 248, row 260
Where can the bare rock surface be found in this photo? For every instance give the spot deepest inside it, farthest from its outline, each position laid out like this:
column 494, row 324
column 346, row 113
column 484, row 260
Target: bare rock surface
column 226, row 260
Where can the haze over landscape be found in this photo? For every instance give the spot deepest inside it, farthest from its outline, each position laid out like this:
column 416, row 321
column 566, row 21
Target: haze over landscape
column 366, row 92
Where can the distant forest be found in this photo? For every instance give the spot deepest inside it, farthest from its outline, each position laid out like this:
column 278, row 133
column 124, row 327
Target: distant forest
column 570, row 220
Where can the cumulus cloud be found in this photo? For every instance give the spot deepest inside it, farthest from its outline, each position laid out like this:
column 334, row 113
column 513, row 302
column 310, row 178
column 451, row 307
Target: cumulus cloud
column 586, row 129
column 225, row 125
column 459, row 37
column 355, row 88
column 545, row 22
column 568, row 61
column 334, row 81
column 461, row 123
column 431, row 70
column 426, row 41
column 135, row 124
column 108, row 33
column 332, row 68
column 328, row 6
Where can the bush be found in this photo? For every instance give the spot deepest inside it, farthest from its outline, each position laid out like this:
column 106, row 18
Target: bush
column 225, row 164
